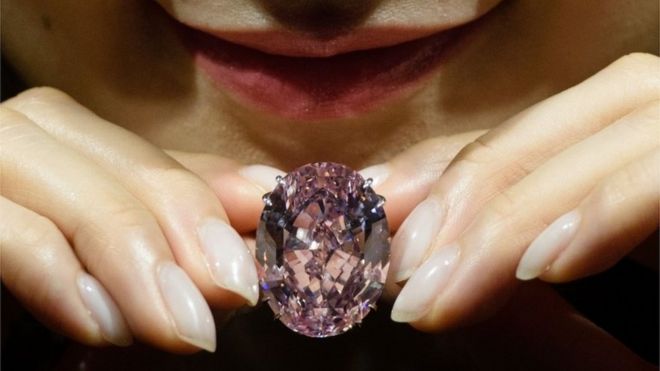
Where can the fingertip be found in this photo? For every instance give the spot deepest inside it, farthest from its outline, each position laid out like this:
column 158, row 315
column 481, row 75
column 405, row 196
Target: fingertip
column 229, row 259
column 525, row 274
column 103, row 310
column 403, row 317
column 188, row 311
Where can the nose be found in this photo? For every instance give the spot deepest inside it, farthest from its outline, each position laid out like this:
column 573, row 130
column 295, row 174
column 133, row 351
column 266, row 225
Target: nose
column 322, row 18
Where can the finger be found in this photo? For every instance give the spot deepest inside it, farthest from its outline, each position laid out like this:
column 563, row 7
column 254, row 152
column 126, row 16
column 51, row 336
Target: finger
column 407, row 178
column 408, row 183
column 508, row 153
column 467, row 279
column 189, row 214
column 40, row 269
column 616, row 216
column 239, row 188
column 113, row 234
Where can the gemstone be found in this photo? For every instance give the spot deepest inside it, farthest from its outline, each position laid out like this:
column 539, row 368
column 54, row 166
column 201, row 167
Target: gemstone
column 323, row 249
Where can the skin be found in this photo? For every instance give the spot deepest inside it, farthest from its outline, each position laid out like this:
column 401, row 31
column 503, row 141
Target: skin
column 448, row 138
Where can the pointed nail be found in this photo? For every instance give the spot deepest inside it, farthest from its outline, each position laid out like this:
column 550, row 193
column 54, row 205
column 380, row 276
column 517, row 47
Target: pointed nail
column 103, row 310
column 261, row 176
column 417, row 296
column 378, row 173
column 547, row 246
column 415, row 237
column 229, row 259
column 191, row 315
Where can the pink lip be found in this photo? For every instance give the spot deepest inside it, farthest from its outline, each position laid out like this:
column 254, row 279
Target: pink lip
column 313, row 88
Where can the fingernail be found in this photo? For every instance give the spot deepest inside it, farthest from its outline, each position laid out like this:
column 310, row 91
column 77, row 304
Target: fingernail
column 261, row 176
column 191, row 315
column 229, row 259
column 378, row 173
column 547, row 246
column 103, row 310
column 416, row 298
column 414, row 238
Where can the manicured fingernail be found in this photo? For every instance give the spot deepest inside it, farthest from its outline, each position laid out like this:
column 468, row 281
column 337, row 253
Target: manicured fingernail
column 414, row 238
column 229, row 259
column 416, row 298
column 191, row 315
column 262, row 176
column 547, row 246
column 103, row 310
column 378, row 173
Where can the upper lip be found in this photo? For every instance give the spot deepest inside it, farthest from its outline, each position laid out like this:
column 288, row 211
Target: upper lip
column 294, row 44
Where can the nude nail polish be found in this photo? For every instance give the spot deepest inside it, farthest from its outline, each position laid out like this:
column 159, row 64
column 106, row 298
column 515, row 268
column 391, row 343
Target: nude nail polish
column 103, row 310
column 229, row 260
column 547, row 246
column 189, row 312
column 415, row 237
column 417, row 296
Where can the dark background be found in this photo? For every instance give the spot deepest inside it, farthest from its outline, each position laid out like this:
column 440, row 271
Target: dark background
column 623, row 301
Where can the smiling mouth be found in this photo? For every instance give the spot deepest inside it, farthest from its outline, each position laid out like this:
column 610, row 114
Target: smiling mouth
column 309, row 80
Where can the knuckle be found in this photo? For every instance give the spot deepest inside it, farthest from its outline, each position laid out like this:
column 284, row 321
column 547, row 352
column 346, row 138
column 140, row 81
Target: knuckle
column 478, row 152
column 470, row 160
column 127, row 236
column 9, row 118
column 651, row 113
column 16, row 132
column 40, row 231
column 638, row 60
column 480, row 161
column 112, row 227
column 618, row 188
column 127, row 215
column 494, row 223
column 644, row 120
column 37, row 95
column 613, row 192
column 29, row 242
column 174, row 176
column 503, row 222
column 502, row 207
column 173, row 181
column 639, row 70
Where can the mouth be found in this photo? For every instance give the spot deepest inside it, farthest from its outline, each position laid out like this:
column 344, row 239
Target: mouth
column 308, row 80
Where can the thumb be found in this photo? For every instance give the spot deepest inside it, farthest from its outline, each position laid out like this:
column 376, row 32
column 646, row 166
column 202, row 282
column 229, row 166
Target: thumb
column 406, row 179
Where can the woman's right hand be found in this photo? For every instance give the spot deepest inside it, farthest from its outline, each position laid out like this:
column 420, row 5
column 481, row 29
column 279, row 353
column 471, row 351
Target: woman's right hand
column 106, row 237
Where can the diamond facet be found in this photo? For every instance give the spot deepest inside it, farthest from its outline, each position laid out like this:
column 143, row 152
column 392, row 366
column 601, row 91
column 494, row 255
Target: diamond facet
column 323, row 249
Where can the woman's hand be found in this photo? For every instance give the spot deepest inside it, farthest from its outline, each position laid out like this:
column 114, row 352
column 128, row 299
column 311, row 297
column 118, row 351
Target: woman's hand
column 96, row 223
column 562, row 190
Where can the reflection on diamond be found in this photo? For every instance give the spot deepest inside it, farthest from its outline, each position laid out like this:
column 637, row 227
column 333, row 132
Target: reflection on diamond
column 323, row 249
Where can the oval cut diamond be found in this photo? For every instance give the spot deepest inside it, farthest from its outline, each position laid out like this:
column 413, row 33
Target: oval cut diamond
column 323, row 249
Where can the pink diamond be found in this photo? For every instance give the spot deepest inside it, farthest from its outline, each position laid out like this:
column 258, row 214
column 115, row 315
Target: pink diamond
column 323, row 248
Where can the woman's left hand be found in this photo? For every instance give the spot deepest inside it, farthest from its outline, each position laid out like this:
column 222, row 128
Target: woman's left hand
column 560, row 191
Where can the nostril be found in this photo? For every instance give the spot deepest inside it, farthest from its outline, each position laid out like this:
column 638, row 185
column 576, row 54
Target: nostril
column 323, row 18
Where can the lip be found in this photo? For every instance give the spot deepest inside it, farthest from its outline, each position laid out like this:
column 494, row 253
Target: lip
column 315, row 80
column 293, row 44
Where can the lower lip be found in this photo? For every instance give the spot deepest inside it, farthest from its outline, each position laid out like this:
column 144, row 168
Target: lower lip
column 315, row 89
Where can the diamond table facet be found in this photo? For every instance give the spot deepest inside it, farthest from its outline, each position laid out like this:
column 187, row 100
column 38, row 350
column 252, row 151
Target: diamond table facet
column 323, row 249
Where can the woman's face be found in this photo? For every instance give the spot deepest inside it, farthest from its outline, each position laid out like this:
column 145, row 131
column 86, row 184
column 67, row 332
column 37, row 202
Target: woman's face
column 286, row 82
